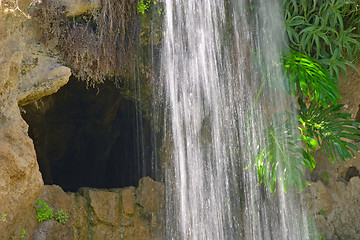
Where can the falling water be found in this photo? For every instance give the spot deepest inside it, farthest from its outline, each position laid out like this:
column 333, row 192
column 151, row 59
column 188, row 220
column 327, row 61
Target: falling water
column 222, row 81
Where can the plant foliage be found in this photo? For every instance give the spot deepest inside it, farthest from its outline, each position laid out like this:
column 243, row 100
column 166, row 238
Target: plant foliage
column 325, row 29
column 287, row 148
column 323, row 40
column 61, row 216
column 144, row 6
column 282, row 156
column 96, row 45
column 332, row 129
column 44, row 212
column 305, row 75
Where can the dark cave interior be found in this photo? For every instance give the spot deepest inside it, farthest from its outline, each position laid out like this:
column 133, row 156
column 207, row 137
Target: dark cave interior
column 90, row 137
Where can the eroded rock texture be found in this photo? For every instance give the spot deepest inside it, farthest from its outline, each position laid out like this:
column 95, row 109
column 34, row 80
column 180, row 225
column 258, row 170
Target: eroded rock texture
column 25, row 74
column 333, row 197
column 335, row 202
column 30, row 69
column 105, row 214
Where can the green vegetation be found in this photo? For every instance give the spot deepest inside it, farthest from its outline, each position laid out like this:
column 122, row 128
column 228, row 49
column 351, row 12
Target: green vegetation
column 327, row 30
column 98, row 45
column 44, row 212
column 144, row 6
column 323, row 40
column 61, row 216
column 3, row 218
column 23, row 231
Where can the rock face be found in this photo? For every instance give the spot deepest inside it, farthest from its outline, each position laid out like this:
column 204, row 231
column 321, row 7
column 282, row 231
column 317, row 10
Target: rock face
column 334, row 203
column 26, row 74
column 31, row 69
column 78, row 7
column 333, row 197
column 126, row 213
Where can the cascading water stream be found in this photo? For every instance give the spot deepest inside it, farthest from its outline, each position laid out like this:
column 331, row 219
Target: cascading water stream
column 222, row 79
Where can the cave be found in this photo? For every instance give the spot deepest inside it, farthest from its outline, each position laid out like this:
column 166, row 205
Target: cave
column 90, row 137
column 351, row 172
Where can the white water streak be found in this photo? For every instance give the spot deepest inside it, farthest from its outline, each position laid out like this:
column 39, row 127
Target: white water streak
column 215, row 57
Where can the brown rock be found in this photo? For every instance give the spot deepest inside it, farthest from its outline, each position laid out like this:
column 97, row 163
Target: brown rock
column 20, row 182
column 326, row 229
column 128, row 200
column 105, row 205
column 78, row 7
column 57, row 198
column 105, row 232
column 44, row 79
column 53, row 230
column 354, row 188
column 324, row 202
column 138, row 229
column 150, row 194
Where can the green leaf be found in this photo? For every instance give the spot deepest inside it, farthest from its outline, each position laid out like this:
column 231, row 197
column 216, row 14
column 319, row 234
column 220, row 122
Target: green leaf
column 312, row 79
column 332, row 129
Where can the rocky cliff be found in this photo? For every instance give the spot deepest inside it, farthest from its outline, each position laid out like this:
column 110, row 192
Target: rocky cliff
column 31, row 69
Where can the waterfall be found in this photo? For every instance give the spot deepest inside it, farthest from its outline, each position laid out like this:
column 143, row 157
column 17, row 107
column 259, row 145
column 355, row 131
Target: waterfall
column 222, row 79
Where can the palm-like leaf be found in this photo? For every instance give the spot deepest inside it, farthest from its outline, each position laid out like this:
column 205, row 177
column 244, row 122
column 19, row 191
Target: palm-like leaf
column 325, row 30
column 281, row 156
column 332, row 129
column 307, row 76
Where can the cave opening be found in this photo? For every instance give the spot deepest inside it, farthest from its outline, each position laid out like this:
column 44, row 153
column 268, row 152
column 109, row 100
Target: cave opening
column 351, row 172
column 91, row 137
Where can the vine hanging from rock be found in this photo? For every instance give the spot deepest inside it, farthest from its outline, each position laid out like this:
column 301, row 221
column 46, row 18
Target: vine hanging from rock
column 99, row 43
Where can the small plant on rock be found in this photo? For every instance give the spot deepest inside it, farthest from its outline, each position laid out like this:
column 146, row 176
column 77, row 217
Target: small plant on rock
column 23, row 233
column 44, row 212
column 61, row 216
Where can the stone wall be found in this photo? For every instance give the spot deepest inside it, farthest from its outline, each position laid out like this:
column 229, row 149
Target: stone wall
column 127, row 213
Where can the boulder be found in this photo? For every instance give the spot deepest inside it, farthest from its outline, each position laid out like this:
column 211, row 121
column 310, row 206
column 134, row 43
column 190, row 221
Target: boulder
column 20, row 182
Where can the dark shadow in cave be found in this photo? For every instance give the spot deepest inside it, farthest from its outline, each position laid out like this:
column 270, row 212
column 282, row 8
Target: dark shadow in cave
column 89, row 138
column 350, row 173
